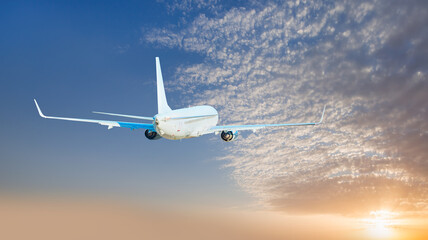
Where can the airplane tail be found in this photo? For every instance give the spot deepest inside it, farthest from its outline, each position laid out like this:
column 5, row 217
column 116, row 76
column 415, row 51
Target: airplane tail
column 162, row 103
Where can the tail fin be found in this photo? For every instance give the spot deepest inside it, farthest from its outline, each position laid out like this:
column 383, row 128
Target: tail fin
column 162, row 103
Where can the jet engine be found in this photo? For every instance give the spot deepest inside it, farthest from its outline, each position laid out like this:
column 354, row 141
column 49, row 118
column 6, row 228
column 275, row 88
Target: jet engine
column 152, row 135
column 229, row 136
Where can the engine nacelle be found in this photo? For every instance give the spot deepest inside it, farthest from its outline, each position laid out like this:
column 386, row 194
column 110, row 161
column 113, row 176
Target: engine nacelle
column 152, row 135
column 229, row 136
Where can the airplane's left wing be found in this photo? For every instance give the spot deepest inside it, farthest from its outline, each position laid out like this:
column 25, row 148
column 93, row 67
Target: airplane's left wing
column 232, row 128
column 109, row 124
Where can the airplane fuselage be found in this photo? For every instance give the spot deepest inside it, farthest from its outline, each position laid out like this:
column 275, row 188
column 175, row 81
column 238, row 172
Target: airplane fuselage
column 185, row 122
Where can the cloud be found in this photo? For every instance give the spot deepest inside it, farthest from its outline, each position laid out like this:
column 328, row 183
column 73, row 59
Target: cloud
column 186, row 6
column 282, row 62
column 122, row 48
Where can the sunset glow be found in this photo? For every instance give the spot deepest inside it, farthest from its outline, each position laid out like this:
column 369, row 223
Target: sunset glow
column 381, row 224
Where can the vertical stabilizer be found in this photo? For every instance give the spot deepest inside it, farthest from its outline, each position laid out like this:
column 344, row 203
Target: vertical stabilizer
column 162, row 103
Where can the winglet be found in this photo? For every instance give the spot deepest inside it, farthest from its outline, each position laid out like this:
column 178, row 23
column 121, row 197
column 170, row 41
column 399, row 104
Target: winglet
column 322, row 116
column 38, row 109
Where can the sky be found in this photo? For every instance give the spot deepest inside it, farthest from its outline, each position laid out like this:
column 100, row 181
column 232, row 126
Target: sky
column 361, row 174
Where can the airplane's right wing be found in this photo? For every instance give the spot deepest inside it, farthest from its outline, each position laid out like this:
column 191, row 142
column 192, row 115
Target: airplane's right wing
column 232, row 128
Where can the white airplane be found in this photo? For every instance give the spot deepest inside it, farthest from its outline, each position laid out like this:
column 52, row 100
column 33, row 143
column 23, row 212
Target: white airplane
column 178, row 124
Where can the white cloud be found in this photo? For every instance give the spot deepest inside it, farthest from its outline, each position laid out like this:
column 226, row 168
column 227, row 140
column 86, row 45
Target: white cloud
column 186, row 6
column 282, row 63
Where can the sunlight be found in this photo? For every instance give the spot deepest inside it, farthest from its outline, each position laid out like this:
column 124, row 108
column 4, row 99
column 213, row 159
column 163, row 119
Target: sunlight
column 380, row 224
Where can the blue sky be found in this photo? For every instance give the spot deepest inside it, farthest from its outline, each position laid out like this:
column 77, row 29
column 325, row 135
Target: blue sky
column 268, row 62
column 79, row 57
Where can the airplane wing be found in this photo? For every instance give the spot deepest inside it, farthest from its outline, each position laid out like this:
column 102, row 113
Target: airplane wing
column 217, row 129
column 109, row 124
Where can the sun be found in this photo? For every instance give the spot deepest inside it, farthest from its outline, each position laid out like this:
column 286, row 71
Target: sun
column 380, row 224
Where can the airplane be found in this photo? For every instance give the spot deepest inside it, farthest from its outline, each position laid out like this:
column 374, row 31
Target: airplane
column 180, row 123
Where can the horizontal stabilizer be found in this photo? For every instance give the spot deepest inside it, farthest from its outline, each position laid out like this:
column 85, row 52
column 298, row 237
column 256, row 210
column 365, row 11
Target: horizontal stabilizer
column 127, row 116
